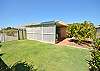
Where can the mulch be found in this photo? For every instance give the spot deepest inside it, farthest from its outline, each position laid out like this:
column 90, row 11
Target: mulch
column 68, row 42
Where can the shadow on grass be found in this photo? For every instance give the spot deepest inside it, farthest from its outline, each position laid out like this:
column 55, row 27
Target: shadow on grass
column 2, row 54
column 3, row 66
column 18, row 66
column 0, row 45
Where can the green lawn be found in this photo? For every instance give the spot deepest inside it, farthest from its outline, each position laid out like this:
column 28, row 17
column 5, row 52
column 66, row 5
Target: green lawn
column 45, row 56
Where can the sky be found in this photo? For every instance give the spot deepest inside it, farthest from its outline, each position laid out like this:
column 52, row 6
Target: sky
column 22, row 12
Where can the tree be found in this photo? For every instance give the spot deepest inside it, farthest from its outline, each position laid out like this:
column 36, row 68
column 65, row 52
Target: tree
column 9, row 31
column 82, row 31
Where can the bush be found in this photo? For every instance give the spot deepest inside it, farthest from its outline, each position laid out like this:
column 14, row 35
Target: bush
column 3, row 66
column 97, row 43
column 22, row 66
column 94, row 62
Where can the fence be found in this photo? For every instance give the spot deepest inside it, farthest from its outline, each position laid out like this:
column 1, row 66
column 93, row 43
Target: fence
column 4, row 37
column 19, row 35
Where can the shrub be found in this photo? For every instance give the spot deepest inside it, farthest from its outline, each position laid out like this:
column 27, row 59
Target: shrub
column 97, row 43
column 94, row 62
column 22, row 66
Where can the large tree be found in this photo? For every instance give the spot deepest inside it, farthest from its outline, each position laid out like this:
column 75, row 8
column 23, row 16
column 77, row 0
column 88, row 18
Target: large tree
column 82, row 31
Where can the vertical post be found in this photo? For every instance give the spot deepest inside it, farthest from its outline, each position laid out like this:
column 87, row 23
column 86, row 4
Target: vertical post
column 22, row 34
column 18, row 35
column 25, row 34
column 55, row 34
column 42, row 32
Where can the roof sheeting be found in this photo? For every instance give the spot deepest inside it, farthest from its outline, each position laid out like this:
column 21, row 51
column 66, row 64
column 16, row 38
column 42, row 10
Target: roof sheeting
column 49, row 23
column 97, row 27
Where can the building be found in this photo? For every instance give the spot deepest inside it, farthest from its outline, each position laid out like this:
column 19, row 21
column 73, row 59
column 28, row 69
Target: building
column 98, row 31
column 52, row 31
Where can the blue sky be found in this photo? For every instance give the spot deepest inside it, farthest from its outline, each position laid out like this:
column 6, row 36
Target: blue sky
column 17, row 12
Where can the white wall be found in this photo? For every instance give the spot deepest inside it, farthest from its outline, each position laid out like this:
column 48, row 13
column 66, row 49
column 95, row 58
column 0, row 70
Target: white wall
column 46, row 34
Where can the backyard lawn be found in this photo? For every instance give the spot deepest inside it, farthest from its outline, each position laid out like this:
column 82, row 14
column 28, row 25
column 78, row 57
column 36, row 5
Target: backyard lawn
column 44, row 56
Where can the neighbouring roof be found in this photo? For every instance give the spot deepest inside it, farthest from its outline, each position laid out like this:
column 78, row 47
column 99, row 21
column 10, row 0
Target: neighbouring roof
column 97, row 27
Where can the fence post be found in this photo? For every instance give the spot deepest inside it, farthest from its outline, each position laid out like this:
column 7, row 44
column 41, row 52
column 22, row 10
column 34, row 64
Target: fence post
column 25, row 34
column 18, row 35
column 42, row 32
column 22, row 34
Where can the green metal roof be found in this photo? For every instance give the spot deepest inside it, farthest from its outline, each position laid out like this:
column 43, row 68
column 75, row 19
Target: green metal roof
column 49, row 23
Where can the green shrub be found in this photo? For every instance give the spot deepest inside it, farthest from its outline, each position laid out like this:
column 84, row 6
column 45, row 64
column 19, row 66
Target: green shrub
column 94, row 62
column 97, row 43
column 22, row 66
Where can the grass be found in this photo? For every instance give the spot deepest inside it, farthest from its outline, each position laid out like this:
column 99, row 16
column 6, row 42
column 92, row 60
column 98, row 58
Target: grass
column 45, row 56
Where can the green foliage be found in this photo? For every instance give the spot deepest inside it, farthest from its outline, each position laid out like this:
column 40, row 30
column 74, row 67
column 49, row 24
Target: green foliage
column 22, row 66
column 10, row 32
column 3, row 66
column 94, row 62
column 97, row 43
column 81, row 31
column 8, row 28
